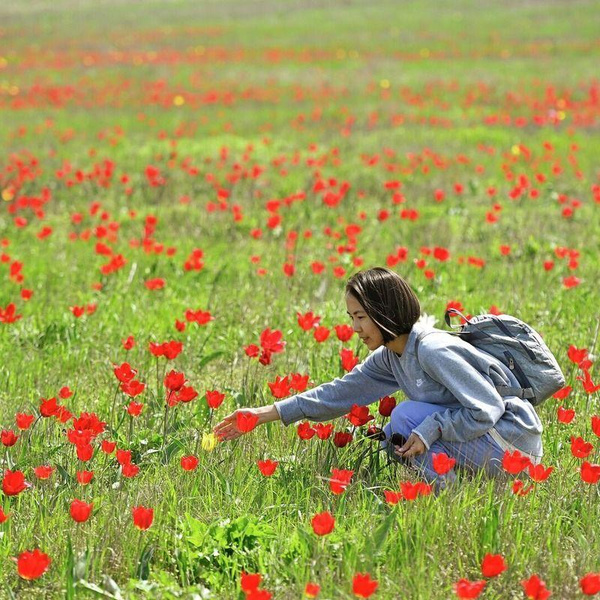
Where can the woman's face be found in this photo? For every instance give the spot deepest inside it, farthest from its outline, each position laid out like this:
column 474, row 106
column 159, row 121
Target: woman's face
column 362, row 324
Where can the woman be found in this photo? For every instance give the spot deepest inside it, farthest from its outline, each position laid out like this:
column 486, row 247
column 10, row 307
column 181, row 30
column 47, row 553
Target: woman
column 452, row 407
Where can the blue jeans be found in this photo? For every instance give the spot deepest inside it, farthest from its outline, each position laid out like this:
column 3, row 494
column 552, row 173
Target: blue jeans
column 481, row 453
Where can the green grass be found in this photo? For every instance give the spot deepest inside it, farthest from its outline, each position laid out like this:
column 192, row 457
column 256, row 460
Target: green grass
column 225, row 518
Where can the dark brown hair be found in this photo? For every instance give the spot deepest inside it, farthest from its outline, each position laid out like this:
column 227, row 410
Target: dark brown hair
column 387, row 299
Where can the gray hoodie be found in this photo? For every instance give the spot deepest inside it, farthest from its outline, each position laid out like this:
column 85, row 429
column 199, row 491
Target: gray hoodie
column 449, row 372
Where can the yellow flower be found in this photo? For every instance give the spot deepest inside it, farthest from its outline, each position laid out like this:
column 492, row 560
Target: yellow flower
column 209, row 442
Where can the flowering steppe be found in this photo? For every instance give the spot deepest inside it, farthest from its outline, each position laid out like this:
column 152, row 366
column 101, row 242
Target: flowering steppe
column 185, row 188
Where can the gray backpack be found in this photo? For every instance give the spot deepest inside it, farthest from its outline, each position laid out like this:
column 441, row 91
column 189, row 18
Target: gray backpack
column 519, row 347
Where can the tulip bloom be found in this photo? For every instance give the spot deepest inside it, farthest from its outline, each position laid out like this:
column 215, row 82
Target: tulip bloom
column 24, row 421
column 469, row 589
column 246, row 421
column 535, row 588
column 80, row 510
column 189, row 463
column 3, row 516
column 539, row 472
column 311, row 590
column 214, row 398
column 590, row 584
column 590, row 473
column 492, row 565
column 363, row 586
column 142, row 517
column 515, row 462
column 267, row 467
column 249, row 582
column 31, row 565
column 84, row 477
column 442, row 463
column 340, row 479
column 8, row 438
column 323, row 523
column 305, row 431
column 43, row 471
column 13, row 483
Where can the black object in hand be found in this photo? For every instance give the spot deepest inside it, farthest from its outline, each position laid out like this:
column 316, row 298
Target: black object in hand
column 398, row 439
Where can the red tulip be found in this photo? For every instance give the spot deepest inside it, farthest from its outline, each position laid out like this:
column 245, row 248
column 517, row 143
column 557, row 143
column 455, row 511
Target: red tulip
column 311, row 590
column 214, row 398
column 189, row 463
column 124, row 373
column 135, row 408
column 343, row 332
column 174, row 380
column 535, row 588
column 539, row 472
column 3, row 516
column 130, row 470
column 359, row 415
column 31, row 565
column 469, row 589
column 267, row 467
column 186, row 394
column 590, row 584
column 249, row 582
column 308, row 320
column 128, row 343
column 321, row 333
column 133, row 388
column 142, row 517
column 298, row 382
column 280, row 388
column 65, row 392
column 514, row 462
column 342, row 438
column 84, row 477
column 363, row 586
column 576, row 355
column 410, row 490
column 580, row 448
column 8, row 438
column 565, row 415
column 492, row 565
column 519, row 488
column 340, row 480
column 442, row 463
column 14, row 483
column 24, row 421
column 392, row 497
column 246, row 421
column 305, row 431
column 323, row 523
column 386, row 406
column 108, row 447
column 563, row 393
column 349, row 360
column 48, row 407
column 323, row 431
column 590, row 473
column 80, row 510
column 596, row 425
column 123, row 456
column 43, row 472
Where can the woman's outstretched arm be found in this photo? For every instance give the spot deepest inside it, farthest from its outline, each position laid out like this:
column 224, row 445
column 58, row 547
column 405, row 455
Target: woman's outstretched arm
column 367, row 382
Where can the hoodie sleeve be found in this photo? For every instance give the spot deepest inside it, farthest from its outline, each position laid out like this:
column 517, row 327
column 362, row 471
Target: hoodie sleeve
column 456, row 369
column 367, row 382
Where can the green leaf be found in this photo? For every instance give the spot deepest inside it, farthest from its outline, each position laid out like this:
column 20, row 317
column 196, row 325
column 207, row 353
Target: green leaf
column 210, row 357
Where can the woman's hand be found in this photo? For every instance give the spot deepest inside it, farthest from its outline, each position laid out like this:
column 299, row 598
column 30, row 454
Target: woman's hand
column 412, row 447
column 227, row 429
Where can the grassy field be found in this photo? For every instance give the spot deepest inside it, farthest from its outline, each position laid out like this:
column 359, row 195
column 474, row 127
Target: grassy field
column 286, row 144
